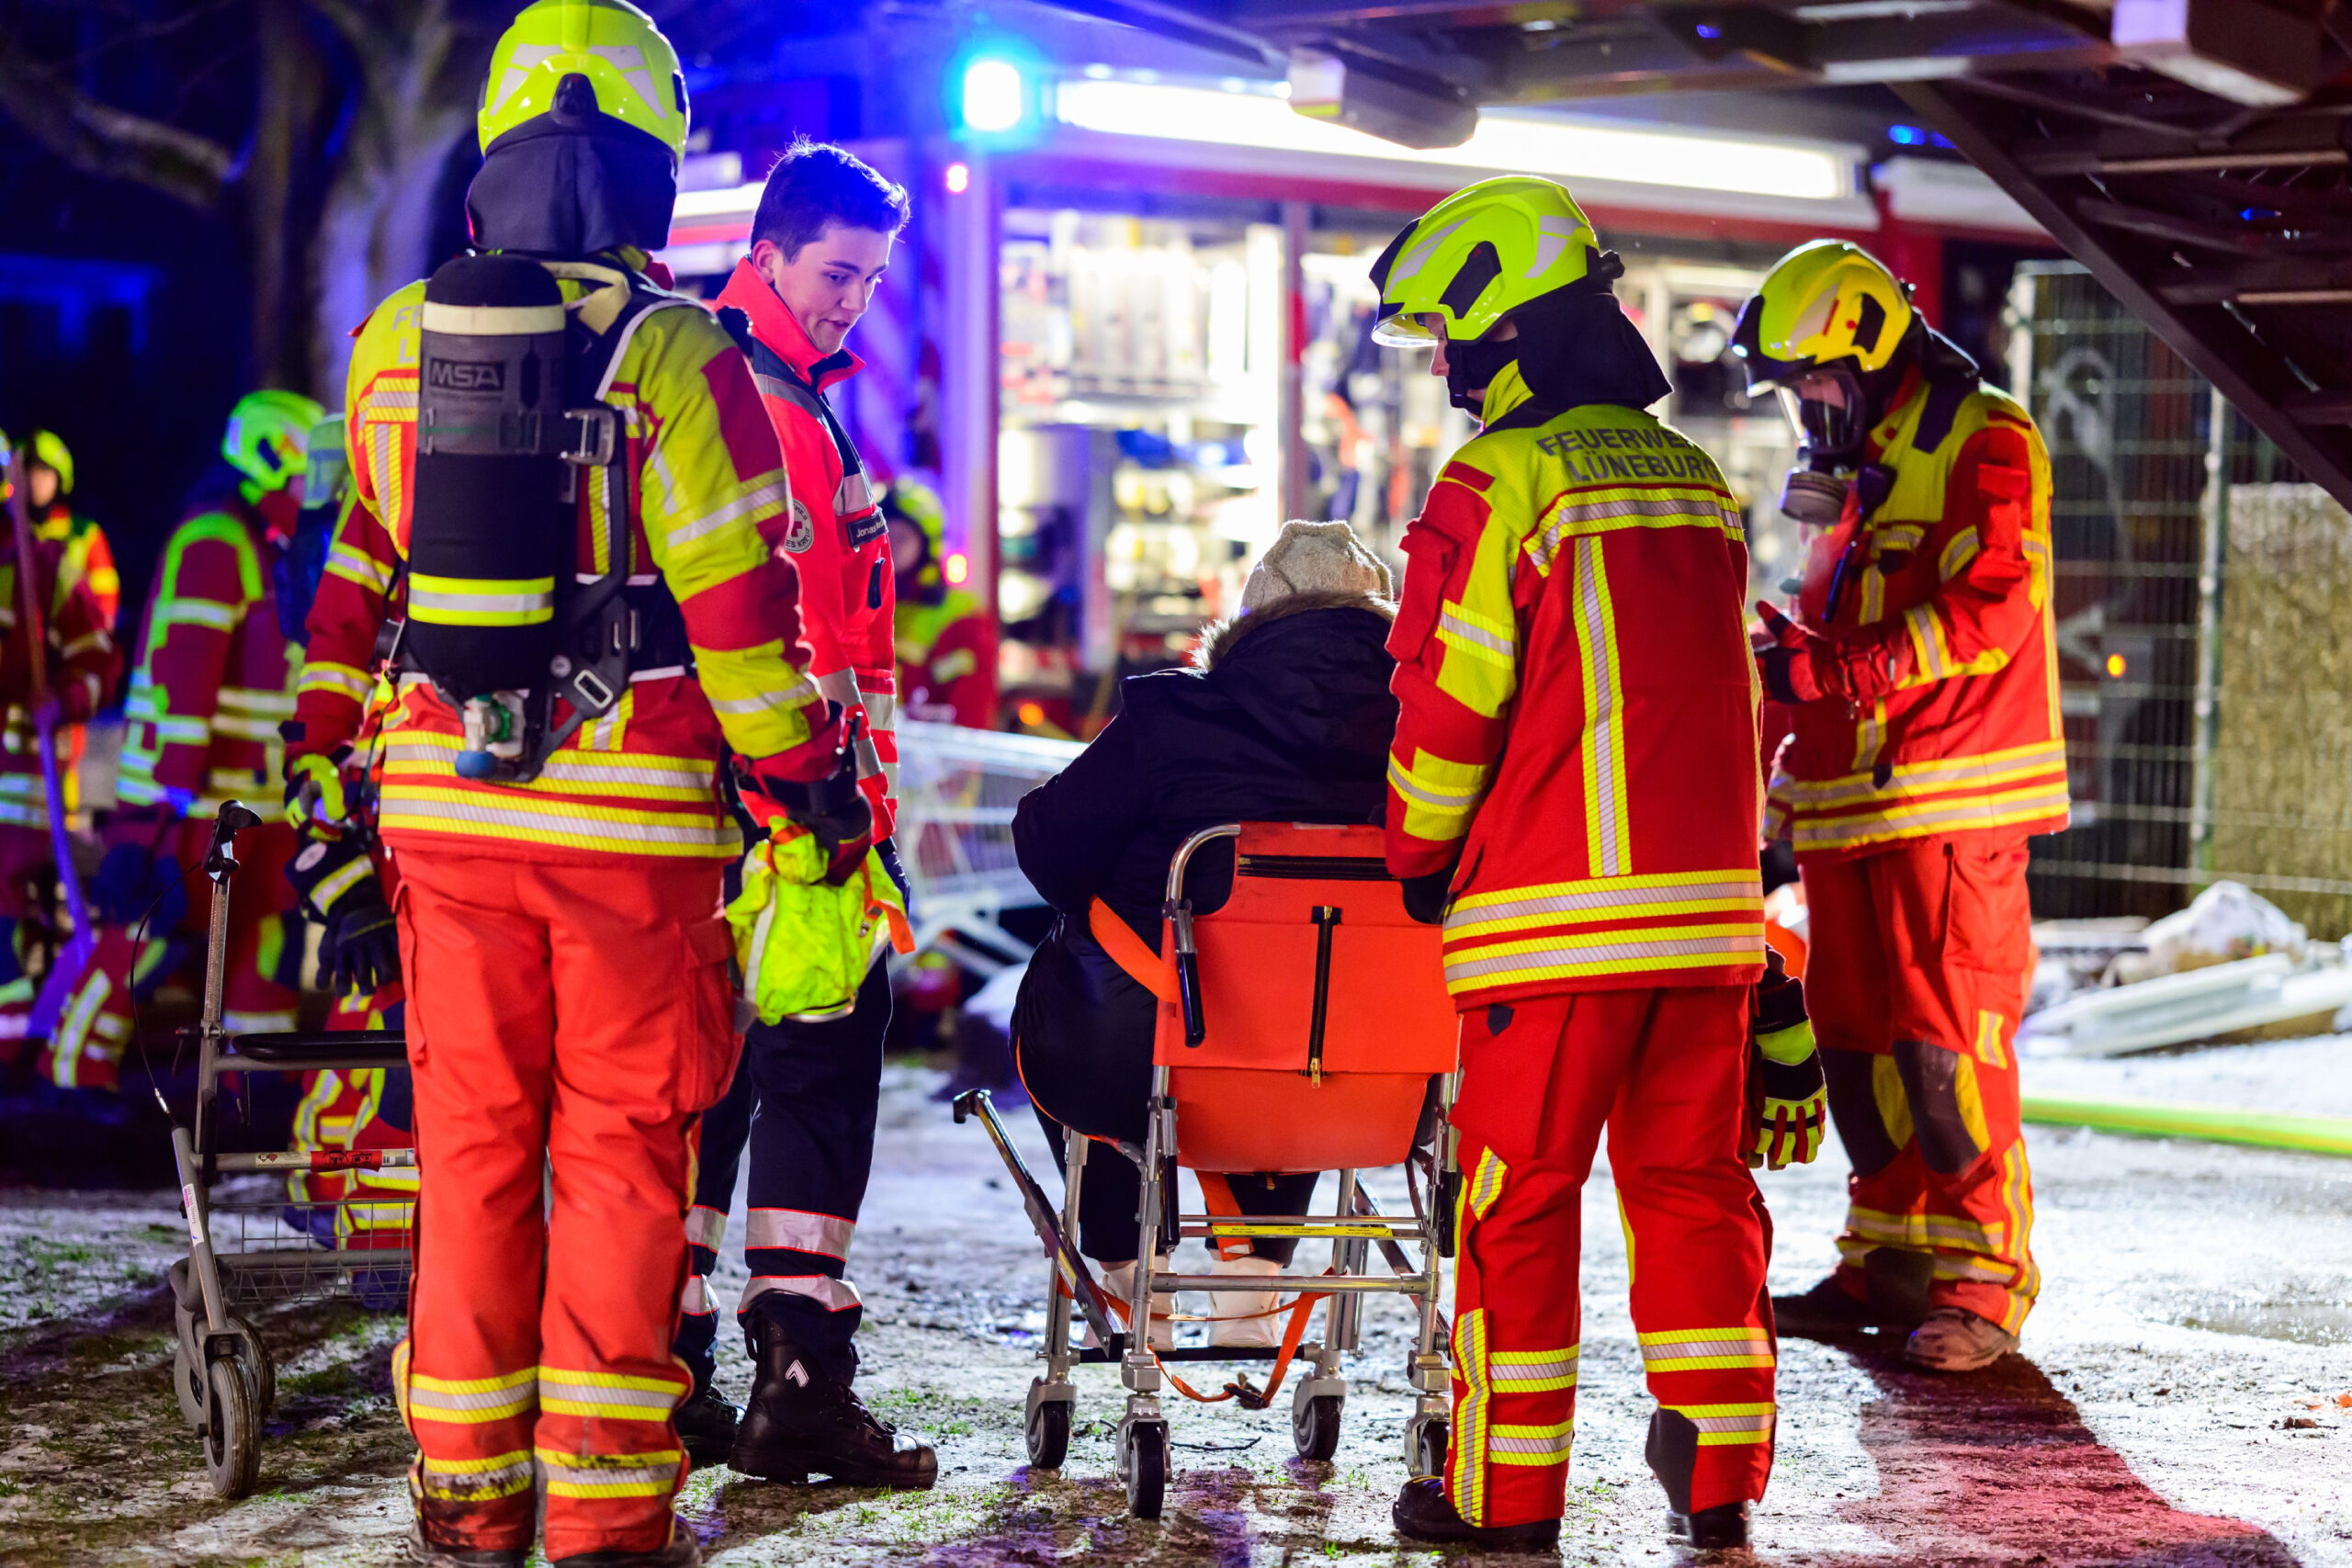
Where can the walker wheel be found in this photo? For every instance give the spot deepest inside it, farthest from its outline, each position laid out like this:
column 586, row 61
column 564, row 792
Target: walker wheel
column 1315, row 1426
column 187, row 1382
column 253, row 1360
column 1144, row 1463
column 232, row 1435
column 1048, row 1434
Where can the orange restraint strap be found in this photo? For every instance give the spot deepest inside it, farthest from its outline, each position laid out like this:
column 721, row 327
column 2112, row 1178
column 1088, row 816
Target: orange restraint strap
column 1142, row 966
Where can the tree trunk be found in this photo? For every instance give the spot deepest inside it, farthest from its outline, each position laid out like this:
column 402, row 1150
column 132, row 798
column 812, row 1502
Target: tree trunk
column 289, row 96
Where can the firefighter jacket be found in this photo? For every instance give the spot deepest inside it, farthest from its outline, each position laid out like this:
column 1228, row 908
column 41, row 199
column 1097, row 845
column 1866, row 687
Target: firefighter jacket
column 215, row 676
column 83, row 665
column 642, row 781
column 1948, row 577
column 835, row 533
column 1577, row 725
column 947, row 660
column 87, row 554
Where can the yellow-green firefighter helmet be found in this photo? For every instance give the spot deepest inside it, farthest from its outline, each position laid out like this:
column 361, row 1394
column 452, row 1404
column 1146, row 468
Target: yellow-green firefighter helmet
column 51, row 452
column 269, row 435
column 1479, row 254
column 628, row 62
column 1824, row 303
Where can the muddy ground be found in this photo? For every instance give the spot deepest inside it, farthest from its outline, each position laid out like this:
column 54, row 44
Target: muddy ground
column 2183, row 1397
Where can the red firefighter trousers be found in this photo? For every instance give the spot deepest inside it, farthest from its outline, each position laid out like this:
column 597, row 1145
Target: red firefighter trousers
column 1663, row 1069
column 1915, row 980
column 566, row 1023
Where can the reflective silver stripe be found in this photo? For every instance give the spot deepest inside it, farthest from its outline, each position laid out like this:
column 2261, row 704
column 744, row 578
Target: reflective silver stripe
column 1550, row 1369
column 1601, row 903
column 1544, row 1440
column 826, row 1235
column 614, row 1475
column 492, row 321
column 481, row 1399
column 1472, row 965
column 464, row 1480
column 420, row 598
column 325, row 894
column 851, row 496
column 705, row 1227
column 696, row 1298
column 680, row 773
column 1665, row 1357
column 402, row 811
column 611, row 1395
column 252, row 699
column 881, row 709
column 1759, row 1423
column 1436, row 800
column 833, row 1295
column 1459, row 626
column 839, row 686
column 767, row 498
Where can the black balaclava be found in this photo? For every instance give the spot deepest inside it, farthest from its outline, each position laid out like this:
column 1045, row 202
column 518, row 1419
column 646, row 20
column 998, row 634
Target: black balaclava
column 1576, row 345
column 572, row 182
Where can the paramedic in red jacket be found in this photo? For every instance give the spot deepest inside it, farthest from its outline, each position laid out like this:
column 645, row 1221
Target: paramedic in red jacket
column 821, row 239
column 1574, row 782
column 1927, row 750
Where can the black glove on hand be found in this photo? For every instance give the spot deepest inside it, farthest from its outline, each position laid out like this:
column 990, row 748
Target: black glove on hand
column 1788, row 1099
column 1425, row 897
column 338, row 888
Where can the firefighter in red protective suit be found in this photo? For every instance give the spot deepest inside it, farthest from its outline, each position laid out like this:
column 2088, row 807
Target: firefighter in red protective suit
column 1574, row 782
column 594, row 618
column 213, row 683
column 947, row 640
column 807, row 1092
column 50, row 486
column 1927, row 750
column 83, row 664
column 343, row 875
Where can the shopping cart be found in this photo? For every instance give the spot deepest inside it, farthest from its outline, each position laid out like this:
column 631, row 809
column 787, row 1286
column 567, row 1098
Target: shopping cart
column 250, row 1250
column 958, row 788
column 1303, row 1026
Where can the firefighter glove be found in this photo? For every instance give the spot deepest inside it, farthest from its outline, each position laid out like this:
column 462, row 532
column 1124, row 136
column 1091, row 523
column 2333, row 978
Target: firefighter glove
column 1799, row 665
column 338, row 888
column 1788, row 1100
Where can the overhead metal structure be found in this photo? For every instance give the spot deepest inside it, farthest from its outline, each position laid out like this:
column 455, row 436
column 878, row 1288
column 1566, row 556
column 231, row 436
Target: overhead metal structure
column 2192, row 153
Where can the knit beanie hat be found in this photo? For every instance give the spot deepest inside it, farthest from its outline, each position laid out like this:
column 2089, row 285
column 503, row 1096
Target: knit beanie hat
column 1315, row 557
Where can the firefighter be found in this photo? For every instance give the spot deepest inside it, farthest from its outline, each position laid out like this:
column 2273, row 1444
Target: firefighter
column 49, row 485
column 565, row 470
column 946, row 640
column 213, row 684
column 1574, row 790
column 1927, row 750
column 83, row 664
column 820, row 239
column 351, row 1108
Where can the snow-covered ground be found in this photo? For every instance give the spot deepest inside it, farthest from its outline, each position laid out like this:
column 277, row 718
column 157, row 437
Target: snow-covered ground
column 2195, row 1305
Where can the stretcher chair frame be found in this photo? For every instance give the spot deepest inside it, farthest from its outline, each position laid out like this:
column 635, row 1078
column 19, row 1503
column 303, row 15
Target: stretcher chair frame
column 221, row 1368
column 1145, row 1451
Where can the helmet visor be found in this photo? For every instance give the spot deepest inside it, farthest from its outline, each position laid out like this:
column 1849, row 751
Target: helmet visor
column 1403, row 331
column 1825, row 412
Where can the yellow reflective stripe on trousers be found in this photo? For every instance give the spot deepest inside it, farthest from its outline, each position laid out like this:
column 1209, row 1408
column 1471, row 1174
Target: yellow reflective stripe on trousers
column 612, row 1396
column 475, row 1480
column 429, row 754
column 1604, row 899
column 471, row 1401
column 1705, row 1349
column 651, row 1474
column 1508, row 1443
column 1534, row 1372
column 1466, row 1469
column 1485, row 1184
column 1602, row 748
column 518, row 818
column 1720, row 1425
column 480, row 601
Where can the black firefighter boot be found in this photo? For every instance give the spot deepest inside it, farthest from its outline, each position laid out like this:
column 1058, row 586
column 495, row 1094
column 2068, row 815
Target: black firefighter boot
column 805, row 1419
column 1673, row 1453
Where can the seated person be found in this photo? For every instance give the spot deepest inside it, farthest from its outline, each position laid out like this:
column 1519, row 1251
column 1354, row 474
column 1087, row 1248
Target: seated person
column 1284, row 716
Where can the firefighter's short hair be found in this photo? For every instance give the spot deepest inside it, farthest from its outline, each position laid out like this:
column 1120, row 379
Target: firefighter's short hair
column 816, row 183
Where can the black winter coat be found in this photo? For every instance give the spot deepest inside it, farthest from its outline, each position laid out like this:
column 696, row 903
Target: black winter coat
column 1290, row 723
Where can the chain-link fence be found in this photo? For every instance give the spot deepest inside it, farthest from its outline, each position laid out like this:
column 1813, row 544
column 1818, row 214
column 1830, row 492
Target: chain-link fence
column 2204, row 628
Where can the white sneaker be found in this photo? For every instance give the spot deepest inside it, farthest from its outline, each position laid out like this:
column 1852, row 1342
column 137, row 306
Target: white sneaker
column 1244, row 1308
column 1119, row 1283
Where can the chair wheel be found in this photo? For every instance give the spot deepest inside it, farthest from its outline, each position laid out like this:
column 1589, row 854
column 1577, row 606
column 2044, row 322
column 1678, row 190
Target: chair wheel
column 1048, row 1434
column 1315, row 1426
column 1143, row 1462
column 231, row 1434
column 1427, row 1448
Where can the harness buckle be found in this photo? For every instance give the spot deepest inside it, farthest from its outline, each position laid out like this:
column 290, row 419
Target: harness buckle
column 591, row 436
